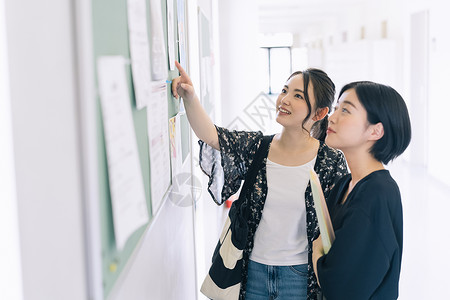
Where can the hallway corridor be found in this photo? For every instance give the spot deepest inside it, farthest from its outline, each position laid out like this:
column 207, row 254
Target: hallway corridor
column 426, row 206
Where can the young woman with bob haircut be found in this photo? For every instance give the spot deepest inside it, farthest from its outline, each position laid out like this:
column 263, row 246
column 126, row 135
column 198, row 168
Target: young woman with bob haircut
column 371, row 126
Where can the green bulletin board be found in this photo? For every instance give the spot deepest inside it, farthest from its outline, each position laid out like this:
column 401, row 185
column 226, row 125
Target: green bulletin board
column 110, row 34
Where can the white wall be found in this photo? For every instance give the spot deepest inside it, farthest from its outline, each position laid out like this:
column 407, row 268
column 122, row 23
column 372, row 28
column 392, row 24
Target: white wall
column 45, row 134
column 238, row 29
column 163, row 267
column 372, row 58
column 438, row 60
column 438, row 162
column 10, row 273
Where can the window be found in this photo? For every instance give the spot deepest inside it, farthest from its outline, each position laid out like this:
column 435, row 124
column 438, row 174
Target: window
column 279, row 67
column 278, row 63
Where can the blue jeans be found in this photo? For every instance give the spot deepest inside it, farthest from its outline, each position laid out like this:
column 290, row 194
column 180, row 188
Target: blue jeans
column 276, row 282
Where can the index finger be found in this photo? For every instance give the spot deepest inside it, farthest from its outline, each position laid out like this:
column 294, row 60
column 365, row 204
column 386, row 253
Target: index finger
column 180, row 69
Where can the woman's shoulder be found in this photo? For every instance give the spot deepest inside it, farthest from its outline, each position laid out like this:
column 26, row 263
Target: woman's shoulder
column 325, row 150
column 380, row 181
column 331, row 158
column 378, row 191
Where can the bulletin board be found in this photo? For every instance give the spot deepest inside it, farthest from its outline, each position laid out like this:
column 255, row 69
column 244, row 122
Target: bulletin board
column 111, row 37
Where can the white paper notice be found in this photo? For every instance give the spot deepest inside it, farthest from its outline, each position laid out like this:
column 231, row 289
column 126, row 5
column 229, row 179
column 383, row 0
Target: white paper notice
column 125, row 177
column 158, row 53
column 158, row 138
column 176, row 157
column 171, row 34
column 139, row 51
column 181, row 33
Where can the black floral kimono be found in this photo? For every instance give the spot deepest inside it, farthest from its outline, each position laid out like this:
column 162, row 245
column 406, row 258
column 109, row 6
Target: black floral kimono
column 227, row 168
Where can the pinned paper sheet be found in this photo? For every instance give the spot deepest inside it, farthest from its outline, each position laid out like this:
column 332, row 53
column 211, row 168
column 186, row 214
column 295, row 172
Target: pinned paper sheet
column 176, row 157
column 181, row 33
column 158, row 49
column 139, row 51
column 171, row 34
column 323, row 217
column 158, row 138
column 125, row 177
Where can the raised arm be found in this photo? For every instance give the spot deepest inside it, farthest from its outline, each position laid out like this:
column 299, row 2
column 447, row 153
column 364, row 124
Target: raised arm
column 198, row 118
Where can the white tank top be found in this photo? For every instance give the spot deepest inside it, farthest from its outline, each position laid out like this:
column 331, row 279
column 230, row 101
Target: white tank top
column 281, row 238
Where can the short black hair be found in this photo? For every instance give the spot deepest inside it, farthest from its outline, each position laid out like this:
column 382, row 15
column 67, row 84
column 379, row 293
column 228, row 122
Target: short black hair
column 384, row 104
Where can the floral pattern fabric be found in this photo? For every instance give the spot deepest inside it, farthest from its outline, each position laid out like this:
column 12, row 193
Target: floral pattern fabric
column 227, row 168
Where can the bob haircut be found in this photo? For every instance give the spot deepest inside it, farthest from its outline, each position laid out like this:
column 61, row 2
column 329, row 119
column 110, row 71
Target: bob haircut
column 384, row 104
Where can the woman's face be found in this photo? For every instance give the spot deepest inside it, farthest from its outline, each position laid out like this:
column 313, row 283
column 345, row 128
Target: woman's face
column 348, row 127
column 291, row 104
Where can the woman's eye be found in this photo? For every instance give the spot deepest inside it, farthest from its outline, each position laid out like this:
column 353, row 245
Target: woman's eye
column 345, row 110
column 283, row 91
column 299, row 96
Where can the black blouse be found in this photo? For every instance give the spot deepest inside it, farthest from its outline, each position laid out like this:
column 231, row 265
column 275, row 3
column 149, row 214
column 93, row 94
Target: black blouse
column 364, row 260
column 227, row 168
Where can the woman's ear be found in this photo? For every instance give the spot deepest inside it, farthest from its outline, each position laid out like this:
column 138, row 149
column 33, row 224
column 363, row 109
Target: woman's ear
column 377, row 131
column 321, row 113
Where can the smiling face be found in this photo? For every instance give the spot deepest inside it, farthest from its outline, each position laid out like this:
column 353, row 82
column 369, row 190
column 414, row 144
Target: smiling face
column 292, row 107
column 349, row 128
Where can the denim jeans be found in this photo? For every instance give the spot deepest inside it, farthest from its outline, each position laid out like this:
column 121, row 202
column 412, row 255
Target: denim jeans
column 276, row 282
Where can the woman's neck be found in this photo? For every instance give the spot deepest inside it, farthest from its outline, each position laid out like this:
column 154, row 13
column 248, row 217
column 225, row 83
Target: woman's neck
column 295, row 140
column 361, row 164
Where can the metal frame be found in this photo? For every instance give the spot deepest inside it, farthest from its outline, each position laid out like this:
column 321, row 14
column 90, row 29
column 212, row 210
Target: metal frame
column 86, row 115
